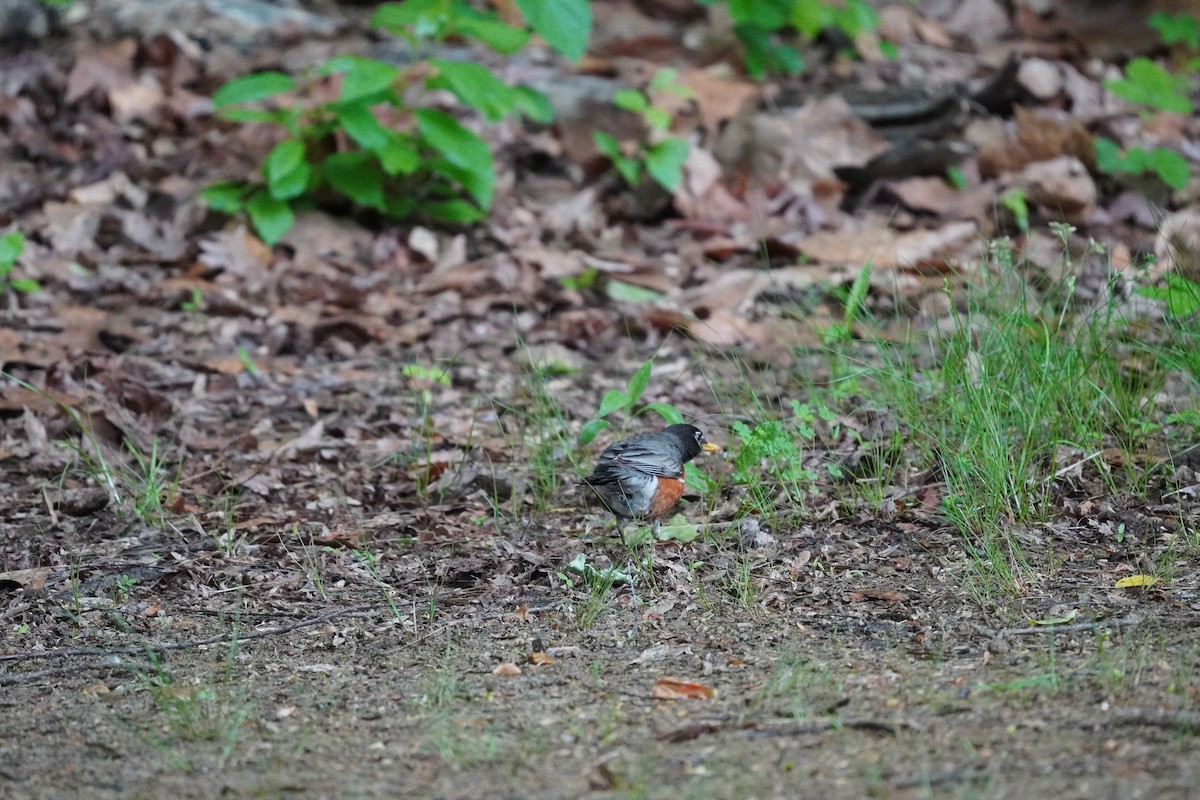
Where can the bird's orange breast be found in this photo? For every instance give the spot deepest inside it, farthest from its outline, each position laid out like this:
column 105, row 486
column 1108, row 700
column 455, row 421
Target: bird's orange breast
column 668, row 494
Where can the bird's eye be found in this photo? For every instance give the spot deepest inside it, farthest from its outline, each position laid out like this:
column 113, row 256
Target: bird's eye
column 699, row 436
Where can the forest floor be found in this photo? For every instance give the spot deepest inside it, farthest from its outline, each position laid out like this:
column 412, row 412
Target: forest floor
column 305, row 521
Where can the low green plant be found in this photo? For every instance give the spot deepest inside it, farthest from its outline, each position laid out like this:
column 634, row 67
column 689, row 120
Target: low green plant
column 197, row 711
column 628, row 402
column 663, row 155
column 771, row 460
column 123, row 586
column 599, row 583
column 1170, row 167
column 11, row 246
column 370, row 562
column 380, row 142
column 766, row 29
column 1180, row 28
column 1145, row 83
column 1017, row 204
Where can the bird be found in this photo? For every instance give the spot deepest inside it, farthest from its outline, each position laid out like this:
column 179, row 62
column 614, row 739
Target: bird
column 641, row 478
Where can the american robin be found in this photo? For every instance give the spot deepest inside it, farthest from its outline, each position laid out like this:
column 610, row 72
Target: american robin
column 642, row 477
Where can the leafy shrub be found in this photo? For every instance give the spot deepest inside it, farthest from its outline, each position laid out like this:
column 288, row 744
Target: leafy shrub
column 379, row 143
column 662, row 157
column 11, row 247
column 1148, row 84
column 762, row 27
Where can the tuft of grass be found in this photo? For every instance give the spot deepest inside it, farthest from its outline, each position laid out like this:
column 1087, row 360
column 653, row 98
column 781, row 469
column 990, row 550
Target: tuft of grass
column 197, row 712
column 1018, row 392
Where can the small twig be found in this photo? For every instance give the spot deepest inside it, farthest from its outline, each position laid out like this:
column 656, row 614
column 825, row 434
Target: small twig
column 1078, row 463
column 224, row 638
column 936, row 779
column 1114, row 622
column 1157, row 717
column 825, row 725
column 54, row 672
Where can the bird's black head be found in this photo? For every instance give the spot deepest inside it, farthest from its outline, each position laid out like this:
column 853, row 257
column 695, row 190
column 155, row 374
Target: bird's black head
column 691, row 440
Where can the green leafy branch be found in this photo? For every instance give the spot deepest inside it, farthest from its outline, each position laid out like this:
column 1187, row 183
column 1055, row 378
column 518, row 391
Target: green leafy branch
column 378, row 143
column 661, row 156
column 11, row 246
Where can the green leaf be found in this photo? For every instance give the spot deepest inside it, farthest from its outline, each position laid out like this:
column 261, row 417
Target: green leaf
column 1181, row 295
column 401, row 156
column 414, row 19
column 253, row 115
column 678, row 529
column 534, row 105
column 664, row 162
column 25, row 285
column 639, row 381
column 424, row 372
column 613, row 400
column 476, row 86
column 1173, row 168
column 250, row 88
column 629, row 168
column 630, row 293
column 361, row 125
column 664, row 79
column 1108, row 155
column 456, row 211
column 657, row 118
column 607, row 144
column 564, row 24
column 357, row 176
column 225, row 197
column 1178, row 28
column 1148, row 84
column 630, row 100
column 769, row 14
column 271, row 217
column 810, row 17
column 363, row 78
column 591, row 430
column 286, row 170
column 670, row 414
column 462, row 148
column 696, row 481
column 498, row 35
column 401, row 207
column 11, row 246
column 763, row 54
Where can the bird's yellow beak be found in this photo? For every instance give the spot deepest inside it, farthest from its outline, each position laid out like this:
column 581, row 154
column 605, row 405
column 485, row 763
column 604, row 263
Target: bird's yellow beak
column 709, row 447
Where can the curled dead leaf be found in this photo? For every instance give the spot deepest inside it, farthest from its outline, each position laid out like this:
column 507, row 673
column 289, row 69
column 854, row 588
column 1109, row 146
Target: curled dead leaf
column 507, row 670
column 668, row 688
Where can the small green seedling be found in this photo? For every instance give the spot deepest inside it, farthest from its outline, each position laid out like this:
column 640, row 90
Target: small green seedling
column 11, row 246
column 663, row 156
column 628, row 401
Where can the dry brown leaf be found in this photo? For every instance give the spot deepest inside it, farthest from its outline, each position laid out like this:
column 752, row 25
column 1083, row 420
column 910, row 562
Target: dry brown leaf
column 107, row 69
column 540, row 658
column 935, row 196
column 717, row 98
column 507, row 670
column 668, row 688
column 237, row 252
column 884, row 247
column 799, row 147
column 31, row 580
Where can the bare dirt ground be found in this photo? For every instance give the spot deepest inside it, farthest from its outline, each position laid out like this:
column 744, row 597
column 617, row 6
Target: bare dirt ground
column 299, row 522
